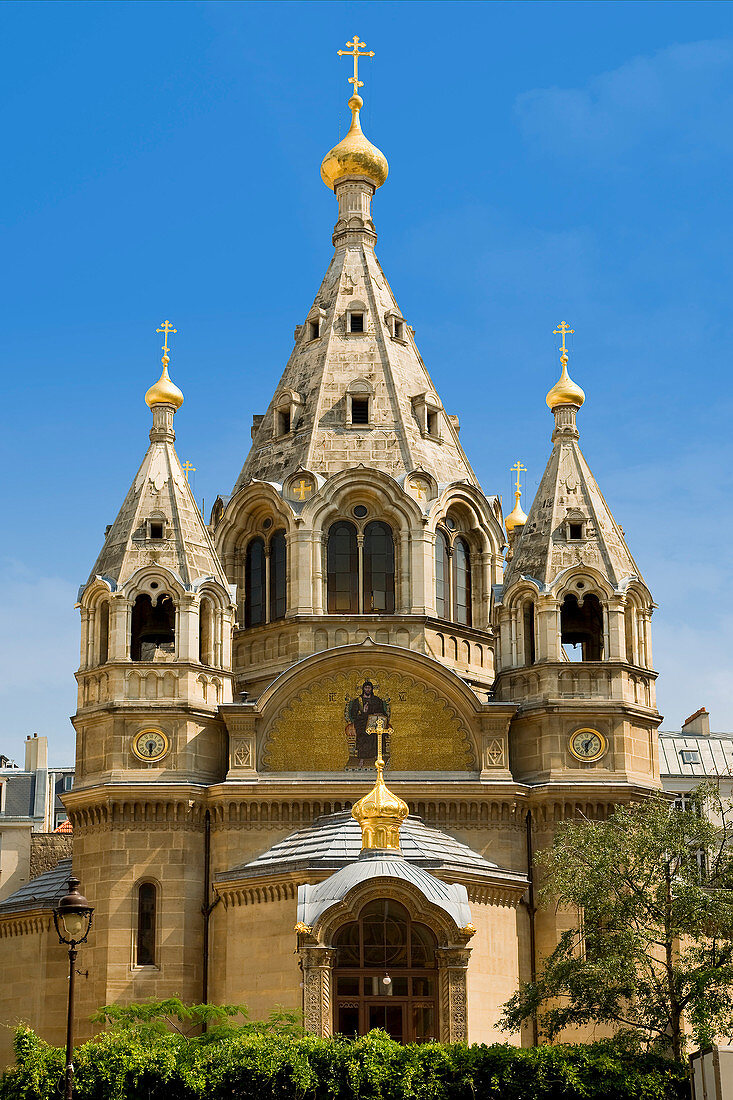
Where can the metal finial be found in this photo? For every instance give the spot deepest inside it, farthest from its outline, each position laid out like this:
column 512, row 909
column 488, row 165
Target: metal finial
column 356, row 53
column 166, row 328
column 563, row 328
column 518, row 468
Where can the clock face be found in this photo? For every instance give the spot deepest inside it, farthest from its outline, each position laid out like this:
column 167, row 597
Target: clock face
column 150, row 745
column 587, row 745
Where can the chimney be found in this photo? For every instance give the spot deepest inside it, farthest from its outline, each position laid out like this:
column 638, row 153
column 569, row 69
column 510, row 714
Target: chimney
column 697, row 723
column 36, row 752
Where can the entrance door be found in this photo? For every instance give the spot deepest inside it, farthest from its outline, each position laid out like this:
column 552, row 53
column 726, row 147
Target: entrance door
column 386, row 975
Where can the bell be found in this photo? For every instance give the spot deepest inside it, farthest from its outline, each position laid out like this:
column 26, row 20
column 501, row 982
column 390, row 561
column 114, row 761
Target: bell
column 158, row 629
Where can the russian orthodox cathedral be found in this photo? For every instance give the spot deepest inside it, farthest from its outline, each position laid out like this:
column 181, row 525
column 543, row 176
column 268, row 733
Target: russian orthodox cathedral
column 320, row 737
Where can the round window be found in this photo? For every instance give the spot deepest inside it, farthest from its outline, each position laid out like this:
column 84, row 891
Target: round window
column 153, row 584
column 360, row 511
column 580, row 585
column 267, row 524
column 450, row 523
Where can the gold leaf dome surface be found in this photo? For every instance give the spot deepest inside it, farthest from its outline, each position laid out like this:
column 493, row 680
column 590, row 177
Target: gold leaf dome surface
column 164, row 392
column 565, row 391
column 380, row 814
column 517, row 517
column 355, row 155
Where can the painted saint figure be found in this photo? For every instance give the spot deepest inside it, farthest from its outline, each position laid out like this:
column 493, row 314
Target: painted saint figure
column 361, row 716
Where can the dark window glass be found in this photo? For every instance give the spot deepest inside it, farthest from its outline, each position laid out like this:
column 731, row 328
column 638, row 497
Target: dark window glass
column 576, row 530
column 103, row 632
column 528, row 621
column 254, row 583
column 278, row 576
column 461, row 583
column 342, row 567
column 378, row 568
column 315, row 330
column 283, row 423
column 442, row 566
column 146, row 915
column 359, row 410
column 432, row 419
column 156, row 530
column 357, row 322
column 398, row 330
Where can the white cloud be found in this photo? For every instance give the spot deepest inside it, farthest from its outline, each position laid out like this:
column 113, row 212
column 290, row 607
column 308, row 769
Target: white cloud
column 677, row 102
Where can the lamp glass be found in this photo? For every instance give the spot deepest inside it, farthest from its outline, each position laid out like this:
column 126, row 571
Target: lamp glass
column 73, row 924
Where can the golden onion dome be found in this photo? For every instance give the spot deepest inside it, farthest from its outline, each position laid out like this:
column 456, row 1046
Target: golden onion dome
column 517, row 517
column 380, row 813
column 164, row 392
column 355, row 155
column 565, row 391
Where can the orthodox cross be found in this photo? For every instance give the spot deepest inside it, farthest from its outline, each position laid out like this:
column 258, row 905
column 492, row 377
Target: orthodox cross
column 518, row 467
column 166, row 328
column 563, row 328
column 379, row 762
column 356, row 53
column 303, row 488
column 187, row 465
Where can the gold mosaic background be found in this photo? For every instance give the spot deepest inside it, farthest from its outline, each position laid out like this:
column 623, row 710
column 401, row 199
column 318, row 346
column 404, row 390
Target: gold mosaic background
column 308, row 734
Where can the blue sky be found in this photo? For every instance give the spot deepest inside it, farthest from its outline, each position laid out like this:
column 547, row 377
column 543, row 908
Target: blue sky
column 547, row 161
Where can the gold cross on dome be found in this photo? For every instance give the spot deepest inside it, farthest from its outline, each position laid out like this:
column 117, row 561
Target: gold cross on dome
column 563, row 328
column 380, row 730
column 518, row 467
column 187, row 466
column 166, row 328
column 356, row 53
column 303, row 488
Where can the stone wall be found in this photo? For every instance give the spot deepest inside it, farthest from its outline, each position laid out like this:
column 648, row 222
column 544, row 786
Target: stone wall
column 47, row 849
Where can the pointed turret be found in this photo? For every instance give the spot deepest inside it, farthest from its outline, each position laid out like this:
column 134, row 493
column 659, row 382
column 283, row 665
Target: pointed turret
column 355, row 389
column 159, row 520
column 569, row 523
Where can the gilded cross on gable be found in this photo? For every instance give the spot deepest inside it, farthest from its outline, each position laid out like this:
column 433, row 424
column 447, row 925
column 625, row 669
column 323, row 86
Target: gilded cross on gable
column 420, row 489
column 563, row 328
column 301, row 489
column 187, row 466
column 356, row 53
column 518, row 467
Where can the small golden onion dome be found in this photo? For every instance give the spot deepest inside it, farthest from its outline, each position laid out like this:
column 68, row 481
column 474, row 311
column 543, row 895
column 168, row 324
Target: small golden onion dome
column 565, row 391
column 355, row 155
column 380, row 814
column 517, row 517
column 164, row 392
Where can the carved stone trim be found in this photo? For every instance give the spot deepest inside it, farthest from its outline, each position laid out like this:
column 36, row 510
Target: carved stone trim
column 317, row 965
column 452, row 970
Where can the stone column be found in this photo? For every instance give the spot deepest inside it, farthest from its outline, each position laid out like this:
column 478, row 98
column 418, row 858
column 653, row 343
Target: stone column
column 404, row 574
column 267, row 582
column 486, row 557
column 317, row 1003
column 317, row 552
column 187, row 647
column 360, row 553
column 452, row 967
column 120, row 614
column 616, row 631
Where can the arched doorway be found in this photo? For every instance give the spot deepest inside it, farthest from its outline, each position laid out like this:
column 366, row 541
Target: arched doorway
column 385, row 975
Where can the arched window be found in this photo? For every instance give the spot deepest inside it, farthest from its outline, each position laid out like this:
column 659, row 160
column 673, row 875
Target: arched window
column 103, row 632
column 278, row 576
column 442, row 575
column 528, row 626
column 386, row 975
column 378, row 568
column 254, row 583
column 581, row 628
column 153, row 627
column 342, row 568
column 461, row 583
column 206, row 632
column 147, row 906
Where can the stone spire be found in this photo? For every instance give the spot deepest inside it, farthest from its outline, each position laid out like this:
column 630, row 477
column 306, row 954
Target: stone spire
column 569, row 522
column 159, row 520
column 355, row 344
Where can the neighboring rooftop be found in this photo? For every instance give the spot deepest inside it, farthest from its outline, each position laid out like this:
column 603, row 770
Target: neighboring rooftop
column 694, row 751
column 42, row 892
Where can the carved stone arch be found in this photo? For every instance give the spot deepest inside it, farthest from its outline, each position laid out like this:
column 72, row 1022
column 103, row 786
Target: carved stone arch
column 360, row 386
column 480, row 522
column 359, row 485
column 142, row 581
column 593, row 581
column 245, row 513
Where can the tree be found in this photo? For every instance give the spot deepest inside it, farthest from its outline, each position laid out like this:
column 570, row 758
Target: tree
column 654, row 950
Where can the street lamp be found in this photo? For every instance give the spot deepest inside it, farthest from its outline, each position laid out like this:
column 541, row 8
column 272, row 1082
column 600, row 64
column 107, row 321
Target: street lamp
column 73, row 919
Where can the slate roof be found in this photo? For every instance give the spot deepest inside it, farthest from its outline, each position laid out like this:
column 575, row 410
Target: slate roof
column 714, row 755
column 334, row 841
column 42, row 892
column 314, row 901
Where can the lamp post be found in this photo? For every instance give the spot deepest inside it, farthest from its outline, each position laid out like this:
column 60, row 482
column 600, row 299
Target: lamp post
column 73, row 919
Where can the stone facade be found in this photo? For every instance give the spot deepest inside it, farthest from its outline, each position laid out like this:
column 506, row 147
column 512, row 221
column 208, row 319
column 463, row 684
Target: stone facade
column 222, row 691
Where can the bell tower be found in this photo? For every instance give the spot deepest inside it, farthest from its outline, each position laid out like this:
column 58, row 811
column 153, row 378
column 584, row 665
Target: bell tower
column 156, row 624
column 573, row 623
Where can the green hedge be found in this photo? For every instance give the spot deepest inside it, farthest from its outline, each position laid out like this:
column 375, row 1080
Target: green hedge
column 245, row 1066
